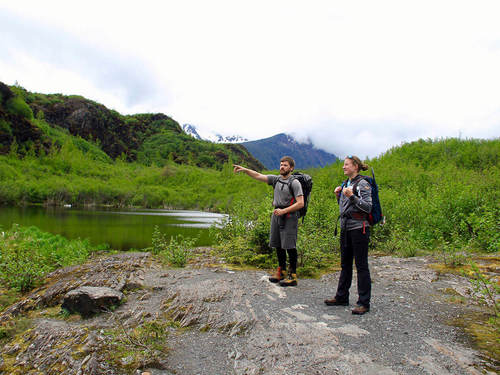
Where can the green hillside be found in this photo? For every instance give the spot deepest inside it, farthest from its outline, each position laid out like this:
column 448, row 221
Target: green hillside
column 145, row 138
column 79, row 173
column 152, row 164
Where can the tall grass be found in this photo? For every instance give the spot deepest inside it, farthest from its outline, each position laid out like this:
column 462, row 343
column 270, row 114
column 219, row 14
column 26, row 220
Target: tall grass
column 27, row 255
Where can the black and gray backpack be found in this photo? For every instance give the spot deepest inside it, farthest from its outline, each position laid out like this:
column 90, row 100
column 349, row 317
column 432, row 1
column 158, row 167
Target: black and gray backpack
column 307, row 183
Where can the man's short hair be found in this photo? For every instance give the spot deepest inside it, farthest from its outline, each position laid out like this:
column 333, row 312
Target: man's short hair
column 289, row 159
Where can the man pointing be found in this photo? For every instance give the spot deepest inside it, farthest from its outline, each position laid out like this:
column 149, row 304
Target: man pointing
column 288, row 199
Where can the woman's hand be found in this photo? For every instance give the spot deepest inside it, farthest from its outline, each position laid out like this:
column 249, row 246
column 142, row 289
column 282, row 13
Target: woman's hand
column 348, row 191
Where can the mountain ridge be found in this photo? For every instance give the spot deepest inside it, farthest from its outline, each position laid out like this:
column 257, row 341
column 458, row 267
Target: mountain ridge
column 270, row 150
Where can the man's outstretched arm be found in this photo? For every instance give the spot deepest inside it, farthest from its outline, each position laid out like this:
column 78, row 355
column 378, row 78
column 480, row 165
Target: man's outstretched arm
column 256, row 175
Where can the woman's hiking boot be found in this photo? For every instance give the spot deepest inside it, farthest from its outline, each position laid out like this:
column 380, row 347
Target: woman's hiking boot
column 360, row 310
column 291, row 280
column 335, row 302
column 278, row 276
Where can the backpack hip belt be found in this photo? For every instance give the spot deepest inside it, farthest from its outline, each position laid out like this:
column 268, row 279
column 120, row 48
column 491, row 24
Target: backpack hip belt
column 358, row 216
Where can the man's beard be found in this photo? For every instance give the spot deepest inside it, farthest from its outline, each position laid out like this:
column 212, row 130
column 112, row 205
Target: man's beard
column 284, row 173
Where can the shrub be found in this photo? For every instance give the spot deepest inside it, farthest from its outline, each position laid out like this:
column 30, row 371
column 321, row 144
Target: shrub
column 5, row 127
column 18, row 106
column 174, row 251
column 244, row 237
column 486, row 290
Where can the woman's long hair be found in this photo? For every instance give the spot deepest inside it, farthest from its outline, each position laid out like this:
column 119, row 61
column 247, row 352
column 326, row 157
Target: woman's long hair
column 361, row 166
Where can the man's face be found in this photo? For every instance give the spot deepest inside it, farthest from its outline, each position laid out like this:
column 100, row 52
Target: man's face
column 285, row 168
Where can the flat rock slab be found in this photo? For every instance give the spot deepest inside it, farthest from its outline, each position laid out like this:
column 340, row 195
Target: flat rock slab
column 220, row 321
column 90, row 300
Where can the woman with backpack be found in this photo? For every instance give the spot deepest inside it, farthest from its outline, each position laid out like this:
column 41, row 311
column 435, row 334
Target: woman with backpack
column 355, row 204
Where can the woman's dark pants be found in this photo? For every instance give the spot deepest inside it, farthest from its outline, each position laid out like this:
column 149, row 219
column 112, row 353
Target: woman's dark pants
column 354, row 245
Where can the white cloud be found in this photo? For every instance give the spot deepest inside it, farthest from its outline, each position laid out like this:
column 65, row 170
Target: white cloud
column 355, row 77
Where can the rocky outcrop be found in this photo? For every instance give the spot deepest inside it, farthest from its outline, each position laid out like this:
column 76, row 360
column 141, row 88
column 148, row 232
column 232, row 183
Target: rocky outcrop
column 119, row 272
column 116, row 134
column 24, row 133
column 5, row 93
column 90, row 300
column 207, row 319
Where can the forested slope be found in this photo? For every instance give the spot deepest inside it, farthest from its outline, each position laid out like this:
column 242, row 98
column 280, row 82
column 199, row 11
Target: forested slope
column 151, row 138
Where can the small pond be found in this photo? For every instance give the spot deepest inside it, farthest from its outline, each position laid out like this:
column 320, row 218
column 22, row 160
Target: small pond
column 122, row 229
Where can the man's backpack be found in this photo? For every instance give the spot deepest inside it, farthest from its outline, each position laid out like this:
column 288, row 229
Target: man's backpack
column 375, row 216
column 307, row 183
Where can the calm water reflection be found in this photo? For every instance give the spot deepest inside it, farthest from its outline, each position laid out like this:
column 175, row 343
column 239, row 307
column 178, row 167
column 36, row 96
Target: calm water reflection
column 121, row 229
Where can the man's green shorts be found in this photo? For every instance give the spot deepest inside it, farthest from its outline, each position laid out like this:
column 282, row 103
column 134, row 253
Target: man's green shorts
column 284, row 231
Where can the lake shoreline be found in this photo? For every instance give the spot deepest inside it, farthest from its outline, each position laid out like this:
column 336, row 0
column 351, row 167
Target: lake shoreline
column 49, row 204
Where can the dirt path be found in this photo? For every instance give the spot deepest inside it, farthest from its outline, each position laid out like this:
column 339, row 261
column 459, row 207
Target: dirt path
column 239, row 323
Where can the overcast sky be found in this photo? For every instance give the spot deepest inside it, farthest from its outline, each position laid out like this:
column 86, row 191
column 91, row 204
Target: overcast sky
column 356, row 77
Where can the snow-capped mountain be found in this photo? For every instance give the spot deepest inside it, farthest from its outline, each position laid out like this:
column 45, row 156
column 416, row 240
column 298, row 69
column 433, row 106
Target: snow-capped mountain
column 191, row 130
column 229, row 139
column 211, row 137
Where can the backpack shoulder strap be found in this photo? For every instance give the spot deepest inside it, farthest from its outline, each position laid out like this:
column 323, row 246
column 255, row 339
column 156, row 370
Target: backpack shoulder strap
column 355, row 184
column 276, row 182
column 281, row 182
column 290, row 181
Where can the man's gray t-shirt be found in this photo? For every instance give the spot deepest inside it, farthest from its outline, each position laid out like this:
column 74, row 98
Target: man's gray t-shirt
column 282, row 196
column 284, row 228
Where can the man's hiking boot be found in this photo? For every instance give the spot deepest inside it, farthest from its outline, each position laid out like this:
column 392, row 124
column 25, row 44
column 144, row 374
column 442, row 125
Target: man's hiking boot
column 291, row 280
column 335, row 302
column 360, row 310
column 278, row 276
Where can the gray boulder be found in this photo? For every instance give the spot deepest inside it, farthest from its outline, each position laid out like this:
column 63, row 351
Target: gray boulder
column 89, row 300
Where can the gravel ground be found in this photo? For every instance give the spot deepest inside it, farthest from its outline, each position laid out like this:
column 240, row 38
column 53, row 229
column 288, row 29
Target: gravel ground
column 247, row 325
column 237, row 322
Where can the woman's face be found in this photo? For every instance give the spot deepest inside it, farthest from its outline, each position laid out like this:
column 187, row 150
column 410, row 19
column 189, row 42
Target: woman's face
column 349, row 167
